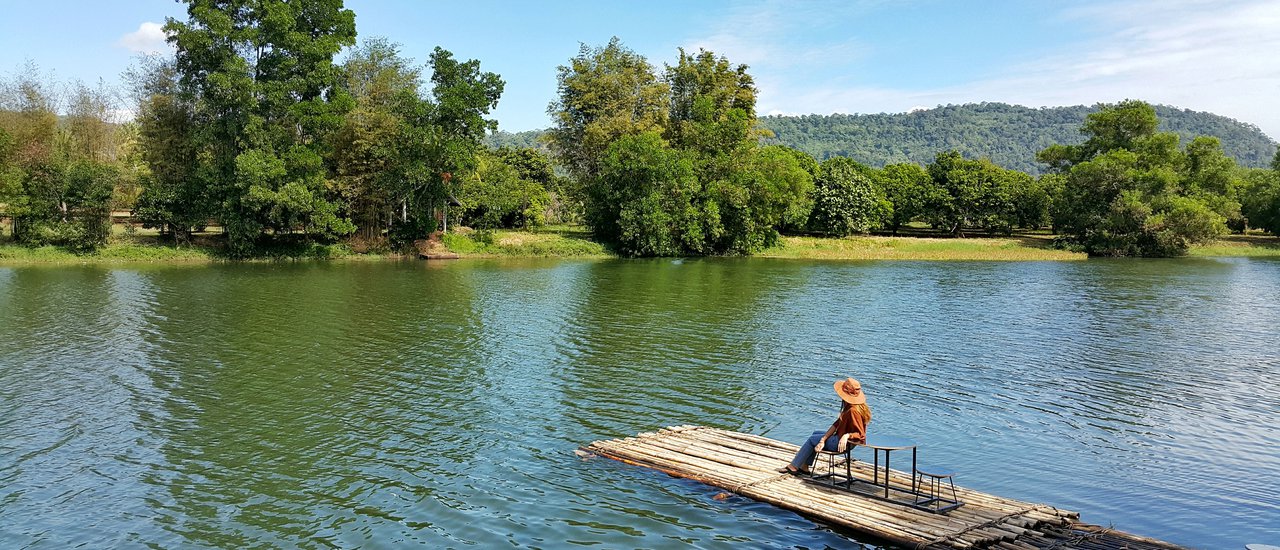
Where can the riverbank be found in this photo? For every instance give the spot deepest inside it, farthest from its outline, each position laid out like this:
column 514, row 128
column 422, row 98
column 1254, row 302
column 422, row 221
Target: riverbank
column 1028, row 248
column 575, row 242
column 150, row 249
column 1240, row 246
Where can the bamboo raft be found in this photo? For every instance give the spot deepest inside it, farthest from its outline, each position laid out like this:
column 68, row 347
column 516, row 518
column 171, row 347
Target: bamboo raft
column 747, row 465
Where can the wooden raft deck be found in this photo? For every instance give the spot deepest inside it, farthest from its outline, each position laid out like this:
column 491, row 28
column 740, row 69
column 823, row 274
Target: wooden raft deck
column 746, row 464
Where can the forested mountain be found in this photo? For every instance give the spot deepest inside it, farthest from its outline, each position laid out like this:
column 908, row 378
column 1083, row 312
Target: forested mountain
column 528, row 138
column 1009, row 135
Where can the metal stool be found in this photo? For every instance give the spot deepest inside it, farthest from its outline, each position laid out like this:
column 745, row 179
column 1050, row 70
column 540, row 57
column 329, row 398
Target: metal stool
column 831, row 474
column 935, row 502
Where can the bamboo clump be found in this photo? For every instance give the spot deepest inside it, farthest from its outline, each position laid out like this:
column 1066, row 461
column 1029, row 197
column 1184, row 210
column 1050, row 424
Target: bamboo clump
column 746, row 464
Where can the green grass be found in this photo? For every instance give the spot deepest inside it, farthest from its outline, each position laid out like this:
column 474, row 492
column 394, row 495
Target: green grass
column 554, row 241
column 130, row 246
column 112, row 253
column 1243, row 246
column 919, row 248
column 146, row 247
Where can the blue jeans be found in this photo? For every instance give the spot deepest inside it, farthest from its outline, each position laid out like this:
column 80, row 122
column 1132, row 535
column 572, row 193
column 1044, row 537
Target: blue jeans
column 804, row 458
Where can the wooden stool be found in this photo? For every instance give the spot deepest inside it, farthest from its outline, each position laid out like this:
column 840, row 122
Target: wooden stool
column 831, row 474
column 935, row 501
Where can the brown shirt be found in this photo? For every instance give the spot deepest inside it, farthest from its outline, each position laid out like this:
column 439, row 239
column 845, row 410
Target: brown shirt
column 850, row 422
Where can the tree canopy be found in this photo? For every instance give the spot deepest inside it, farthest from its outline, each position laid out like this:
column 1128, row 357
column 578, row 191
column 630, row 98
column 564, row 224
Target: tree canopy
column 672, row 164
column 1128, row 190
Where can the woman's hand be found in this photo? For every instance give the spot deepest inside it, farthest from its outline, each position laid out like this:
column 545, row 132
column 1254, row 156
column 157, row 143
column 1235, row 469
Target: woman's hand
column 822, row 445
column 844, row 443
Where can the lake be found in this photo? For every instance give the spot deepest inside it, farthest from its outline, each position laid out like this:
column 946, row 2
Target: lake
column 381, row 404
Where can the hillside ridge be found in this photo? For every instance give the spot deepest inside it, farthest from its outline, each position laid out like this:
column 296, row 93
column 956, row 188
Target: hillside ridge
column 1010, row 135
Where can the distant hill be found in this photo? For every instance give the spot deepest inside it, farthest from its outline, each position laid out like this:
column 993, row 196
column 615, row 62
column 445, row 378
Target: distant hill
column 529, row 138
column 1010, row 135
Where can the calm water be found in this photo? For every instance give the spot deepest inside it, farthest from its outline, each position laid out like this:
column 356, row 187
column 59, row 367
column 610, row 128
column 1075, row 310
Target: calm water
column 390, row 403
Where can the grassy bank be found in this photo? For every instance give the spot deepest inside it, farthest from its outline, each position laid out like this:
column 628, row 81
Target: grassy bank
column 575, row 242
column 553, row 241
column 1243, row 246
column 920, row 248
column 142, row 246
column 131, row 252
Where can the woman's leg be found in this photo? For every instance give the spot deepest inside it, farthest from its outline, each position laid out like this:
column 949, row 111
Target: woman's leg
column 804, row 458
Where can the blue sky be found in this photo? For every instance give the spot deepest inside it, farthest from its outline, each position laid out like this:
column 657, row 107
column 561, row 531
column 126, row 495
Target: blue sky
column 807, row 57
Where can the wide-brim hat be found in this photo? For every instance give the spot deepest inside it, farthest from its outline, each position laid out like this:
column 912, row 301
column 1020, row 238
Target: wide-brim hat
column 850, row 391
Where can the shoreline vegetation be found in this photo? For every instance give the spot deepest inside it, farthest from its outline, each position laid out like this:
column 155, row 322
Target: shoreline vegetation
column 334, row 148
column 575, row 242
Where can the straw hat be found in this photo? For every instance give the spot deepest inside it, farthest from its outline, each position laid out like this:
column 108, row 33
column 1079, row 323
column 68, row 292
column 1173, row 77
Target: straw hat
column 850, row 391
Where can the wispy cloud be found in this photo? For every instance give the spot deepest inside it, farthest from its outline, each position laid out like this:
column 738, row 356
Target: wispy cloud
column 1214, row 56
column 148, row 39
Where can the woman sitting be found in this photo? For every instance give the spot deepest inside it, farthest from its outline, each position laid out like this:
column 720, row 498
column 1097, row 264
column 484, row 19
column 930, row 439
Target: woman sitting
column 849, row 428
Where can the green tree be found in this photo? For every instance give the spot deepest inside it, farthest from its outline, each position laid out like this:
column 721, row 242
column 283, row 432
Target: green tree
column 266, row 94
column 1032, row 201
column 797, row 214
column 1261, row 199
column 1213, row 178
column 767, row 192
column 908, row 189
column 713, row 189
column 67, row 204
column 57, row 178
column 604, row 93
column 437, row 138
column 846, row 201
column 173, row 198
column 364, row 146
column 643, row 202
column 1121, row 126
column 972, row 193
column 498, row 193
column 1129, row 191
column 713, row 105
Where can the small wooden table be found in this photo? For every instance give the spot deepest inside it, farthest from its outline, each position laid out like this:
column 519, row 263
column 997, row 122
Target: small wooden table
column 888, row 444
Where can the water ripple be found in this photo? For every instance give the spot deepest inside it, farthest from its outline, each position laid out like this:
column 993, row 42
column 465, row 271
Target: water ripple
column 413, row 403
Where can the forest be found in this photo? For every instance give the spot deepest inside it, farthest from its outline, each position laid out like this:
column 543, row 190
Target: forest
column 272, row 124
column 1009, row 135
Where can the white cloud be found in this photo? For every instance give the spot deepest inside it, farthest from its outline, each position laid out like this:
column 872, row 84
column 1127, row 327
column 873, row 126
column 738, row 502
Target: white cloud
column 149, row 38
column 1209, row 56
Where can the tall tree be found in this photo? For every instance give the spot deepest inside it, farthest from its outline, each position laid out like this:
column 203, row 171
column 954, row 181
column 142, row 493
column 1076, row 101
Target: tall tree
column 57, row 178
column 758, row 197
column 713, row 104
column 266, row 93
column 972, row 193
column 604, row 93
column 909, row 191
column 438, row 138
column 1128, row 190
column 846, row 201
column 1260, row 199
column 645, row 202
column 173, row 198
column 364, row 147
column 716, row 192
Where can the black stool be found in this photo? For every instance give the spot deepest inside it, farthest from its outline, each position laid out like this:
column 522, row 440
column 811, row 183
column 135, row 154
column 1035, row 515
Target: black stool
column 831, row 474
column 935, row 501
